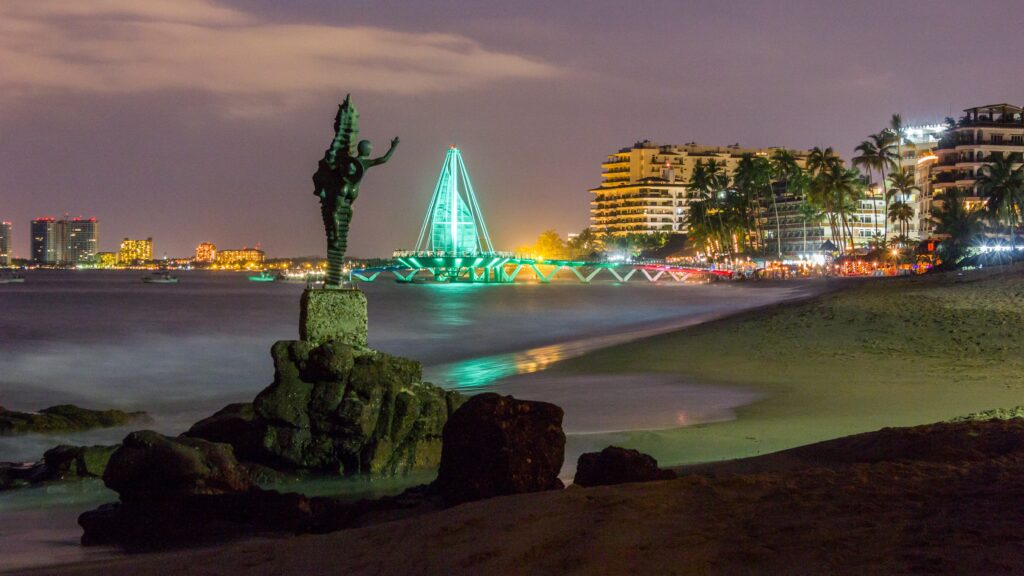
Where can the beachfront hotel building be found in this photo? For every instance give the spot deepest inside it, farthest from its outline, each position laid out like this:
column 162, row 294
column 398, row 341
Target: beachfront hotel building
column 206, row 252
column 5, row 244
column 132, row 251
column 980, row 134
column 643, row 188
column 918, row 157
column 244, row 258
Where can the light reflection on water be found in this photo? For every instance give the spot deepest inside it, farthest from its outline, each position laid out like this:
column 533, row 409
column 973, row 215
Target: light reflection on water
column 469, row 375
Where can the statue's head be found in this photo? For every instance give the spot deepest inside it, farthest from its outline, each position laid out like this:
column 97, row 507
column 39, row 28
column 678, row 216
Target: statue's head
column 365, row 148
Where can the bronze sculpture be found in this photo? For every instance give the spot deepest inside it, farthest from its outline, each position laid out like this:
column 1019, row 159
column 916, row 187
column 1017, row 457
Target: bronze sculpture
column 336, row 183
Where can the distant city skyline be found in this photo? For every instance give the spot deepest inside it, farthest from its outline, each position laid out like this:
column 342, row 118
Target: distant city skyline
column 214, row 138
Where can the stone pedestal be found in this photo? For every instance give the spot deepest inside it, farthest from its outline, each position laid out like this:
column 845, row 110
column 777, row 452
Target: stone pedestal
column 338, row 315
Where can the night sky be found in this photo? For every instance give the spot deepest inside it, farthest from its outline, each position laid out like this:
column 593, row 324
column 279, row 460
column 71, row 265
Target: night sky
column 203, row 120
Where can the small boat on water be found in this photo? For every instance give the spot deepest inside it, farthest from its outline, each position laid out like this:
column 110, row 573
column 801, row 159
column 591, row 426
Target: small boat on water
column 263, row 277
column 160, row 278
column 8, row 277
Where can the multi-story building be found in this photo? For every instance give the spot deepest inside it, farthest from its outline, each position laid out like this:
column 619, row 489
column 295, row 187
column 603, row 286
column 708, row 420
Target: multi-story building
column 47, row 244
column 5, row 244
column 246, row 257
column 67, row 241
column 106, row 259
column 981, row 133
column 206, row 252
column 133, row 251
column 917, row 155
column 643, row 188
column 81, row 239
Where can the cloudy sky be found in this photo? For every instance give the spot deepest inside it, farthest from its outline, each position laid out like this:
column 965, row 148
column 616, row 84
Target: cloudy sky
column 202, row 120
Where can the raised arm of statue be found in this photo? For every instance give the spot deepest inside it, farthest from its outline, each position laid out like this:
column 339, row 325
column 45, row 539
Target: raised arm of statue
column 386, row 157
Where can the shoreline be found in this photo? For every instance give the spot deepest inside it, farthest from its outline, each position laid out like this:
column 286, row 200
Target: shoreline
column 808, row 394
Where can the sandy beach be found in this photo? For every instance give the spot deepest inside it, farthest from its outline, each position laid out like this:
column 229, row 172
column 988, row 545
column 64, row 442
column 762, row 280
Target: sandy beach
column 890, row 352
column 881, row 352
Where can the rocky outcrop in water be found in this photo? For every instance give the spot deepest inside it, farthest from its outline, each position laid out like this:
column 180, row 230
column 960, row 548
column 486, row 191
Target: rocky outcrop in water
column 340, row 409
column 182, row 490
column 60, row 463
column 151, row 466
column 496, row 445
column 615, row 465
column 64, row 418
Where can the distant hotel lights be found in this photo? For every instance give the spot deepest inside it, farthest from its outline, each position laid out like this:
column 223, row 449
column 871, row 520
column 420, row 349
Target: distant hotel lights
column 135, row 251
column 206, row 252
column 250, row 258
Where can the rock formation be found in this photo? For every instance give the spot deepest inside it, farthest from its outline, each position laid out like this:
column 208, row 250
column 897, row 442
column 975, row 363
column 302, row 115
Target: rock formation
column 64, row 418
column 60, row 463
column 615, row 465
column 340, row 409
column 496, row 445
column 184, row 490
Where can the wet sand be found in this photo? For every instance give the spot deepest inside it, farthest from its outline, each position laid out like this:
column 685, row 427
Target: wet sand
column 884, row 352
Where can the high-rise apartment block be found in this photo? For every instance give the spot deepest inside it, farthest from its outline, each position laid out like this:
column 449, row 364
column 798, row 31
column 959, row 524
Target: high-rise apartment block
column 5, row 244
column 67, row 241
column 81, row 239
column 46, row 242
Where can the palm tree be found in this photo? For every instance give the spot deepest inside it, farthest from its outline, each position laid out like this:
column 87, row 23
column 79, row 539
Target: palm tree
column 902, row 213
column 1002, row 187
column 836, row 190
column 902, row 188
column 709, row 185
column 820, row 160
column 782, row 168
column 868, row 158
column 953, row 219
column 809, row 213
column 899, row 133
column 884, row 143
column 585, row 244
column 746, row 186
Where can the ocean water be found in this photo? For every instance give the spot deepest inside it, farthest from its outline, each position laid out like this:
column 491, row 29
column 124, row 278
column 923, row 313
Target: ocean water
column 104, row 339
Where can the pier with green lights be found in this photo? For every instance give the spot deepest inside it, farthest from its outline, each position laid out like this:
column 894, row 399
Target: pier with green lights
column 455, row 246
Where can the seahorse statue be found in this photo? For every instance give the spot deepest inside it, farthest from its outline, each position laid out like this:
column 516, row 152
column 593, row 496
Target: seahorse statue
column 336, row 183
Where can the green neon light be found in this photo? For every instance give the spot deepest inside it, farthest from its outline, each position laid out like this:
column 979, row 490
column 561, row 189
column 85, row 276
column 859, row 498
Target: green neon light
column 454, row 223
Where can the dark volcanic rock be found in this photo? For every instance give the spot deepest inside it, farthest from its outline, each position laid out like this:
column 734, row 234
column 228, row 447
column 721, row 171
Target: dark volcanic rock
column 60, row 463
column 149, row 466
column 184, row 490
column 235, row 425
column 339, row 409
column 20, row 474
column 77, row 461
column 496, row 445
column 64, row 418
column 615, row 465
